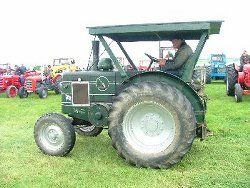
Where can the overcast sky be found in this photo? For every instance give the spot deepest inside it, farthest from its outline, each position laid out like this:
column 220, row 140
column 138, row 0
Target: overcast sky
column 37, row 31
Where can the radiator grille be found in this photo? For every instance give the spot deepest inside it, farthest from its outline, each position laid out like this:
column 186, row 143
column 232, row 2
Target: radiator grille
column 28, row 84
column 80, row 93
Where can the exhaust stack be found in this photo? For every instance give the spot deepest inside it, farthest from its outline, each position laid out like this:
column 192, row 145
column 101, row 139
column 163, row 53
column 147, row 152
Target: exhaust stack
column 95, row 47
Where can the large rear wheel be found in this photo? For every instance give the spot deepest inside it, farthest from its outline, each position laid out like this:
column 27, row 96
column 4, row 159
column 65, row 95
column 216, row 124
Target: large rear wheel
column 152, row 125
column 57, row 85
column 231, row 79
column 208, row 72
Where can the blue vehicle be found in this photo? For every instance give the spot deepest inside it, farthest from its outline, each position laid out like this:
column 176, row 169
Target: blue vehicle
column 217, row 68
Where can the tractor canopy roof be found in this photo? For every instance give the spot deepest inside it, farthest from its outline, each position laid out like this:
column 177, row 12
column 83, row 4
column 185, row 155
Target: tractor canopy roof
column 157, row 31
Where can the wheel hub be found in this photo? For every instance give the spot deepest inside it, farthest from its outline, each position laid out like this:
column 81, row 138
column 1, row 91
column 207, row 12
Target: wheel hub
column 13, row 92
column 53, row 136
column 152, row 124
column 149, row 127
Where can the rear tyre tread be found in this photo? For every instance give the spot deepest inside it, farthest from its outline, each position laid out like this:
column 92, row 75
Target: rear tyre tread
column 170, row 94
column 231, row 79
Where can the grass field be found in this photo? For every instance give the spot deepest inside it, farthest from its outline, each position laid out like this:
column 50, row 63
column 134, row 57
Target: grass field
column 222, row 160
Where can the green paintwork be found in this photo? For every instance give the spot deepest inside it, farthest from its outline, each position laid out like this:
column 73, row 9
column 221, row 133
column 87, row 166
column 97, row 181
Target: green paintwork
column 104, row 85
column 196, row 101
column 157, row 31
column 190, row 65
column 98, row 115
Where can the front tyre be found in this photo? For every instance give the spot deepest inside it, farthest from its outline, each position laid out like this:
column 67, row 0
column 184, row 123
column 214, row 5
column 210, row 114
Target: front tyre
column 43, row 93
column 238, row 93
column 54, row 134
column 152, row 125
column 22, row 92
column 11, row 91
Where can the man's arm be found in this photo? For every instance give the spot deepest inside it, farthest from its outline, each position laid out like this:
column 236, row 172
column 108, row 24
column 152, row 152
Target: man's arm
column 180, row 58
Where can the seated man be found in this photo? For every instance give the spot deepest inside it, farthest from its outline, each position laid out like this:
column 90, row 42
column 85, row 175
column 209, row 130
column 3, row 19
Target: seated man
column 244, row 59
column 184, row 51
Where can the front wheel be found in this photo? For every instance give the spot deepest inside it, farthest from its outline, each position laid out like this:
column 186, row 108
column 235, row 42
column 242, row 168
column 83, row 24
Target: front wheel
column 152, row 125
column 22, row 92
column 11, row 91
column 54, row 134
column 238, row 93
column 43, row 93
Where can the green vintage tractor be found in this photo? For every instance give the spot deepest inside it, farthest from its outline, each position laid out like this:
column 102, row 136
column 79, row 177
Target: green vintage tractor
column 152, row 117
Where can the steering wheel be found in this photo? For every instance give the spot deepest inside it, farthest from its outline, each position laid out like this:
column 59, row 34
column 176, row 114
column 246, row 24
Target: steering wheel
column 154, row 59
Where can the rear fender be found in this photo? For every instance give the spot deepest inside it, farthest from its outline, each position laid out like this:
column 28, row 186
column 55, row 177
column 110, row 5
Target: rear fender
column 199, row 105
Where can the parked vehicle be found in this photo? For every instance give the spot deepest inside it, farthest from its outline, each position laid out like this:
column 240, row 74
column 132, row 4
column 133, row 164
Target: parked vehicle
column 152, row 117
column 217, row 68
column 238, row 82
column 11, row 83
column 63, row 65
column 40, row 85
column 43, row 83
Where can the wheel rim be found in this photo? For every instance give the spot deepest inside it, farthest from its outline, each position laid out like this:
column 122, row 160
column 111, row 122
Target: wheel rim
column 52, row 137
column 149, row 127
column 13, row 92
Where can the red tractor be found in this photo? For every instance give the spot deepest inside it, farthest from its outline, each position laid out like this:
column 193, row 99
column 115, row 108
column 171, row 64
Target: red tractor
column 238, row 81
column 11, row 83
column 40, row 85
